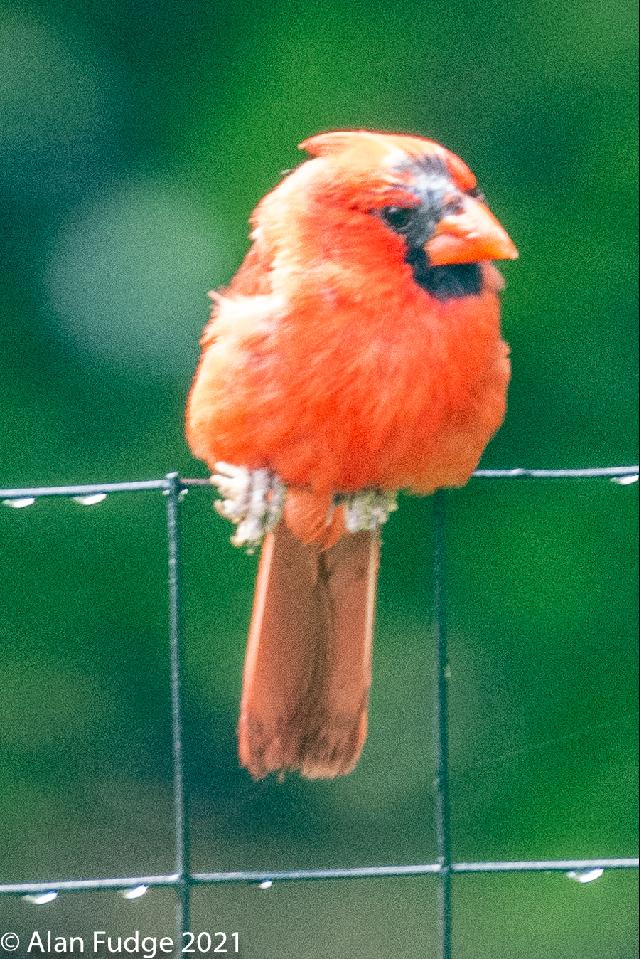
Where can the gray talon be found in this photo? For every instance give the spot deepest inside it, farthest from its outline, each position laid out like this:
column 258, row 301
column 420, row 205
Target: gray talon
column 368, row 510
column 252, row 499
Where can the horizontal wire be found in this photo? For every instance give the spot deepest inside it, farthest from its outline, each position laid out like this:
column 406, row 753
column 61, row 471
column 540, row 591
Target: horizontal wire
column 427, row 869
column 591, row 472
column 315, row 875
column 551, row 865
column 140, row 486
column 87, row 885
column 90, row 489
column 172, row 880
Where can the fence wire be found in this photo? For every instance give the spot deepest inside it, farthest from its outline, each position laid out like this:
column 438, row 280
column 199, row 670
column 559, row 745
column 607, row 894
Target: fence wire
column 182, row 878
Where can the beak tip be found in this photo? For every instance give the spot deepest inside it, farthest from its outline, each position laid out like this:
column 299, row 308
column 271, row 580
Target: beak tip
column 472, row 235
column 503, row 247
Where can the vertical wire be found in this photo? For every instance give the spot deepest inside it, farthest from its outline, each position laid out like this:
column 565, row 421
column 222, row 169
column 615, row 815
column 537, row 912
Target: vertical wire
column 443, row 799
column 181, row 818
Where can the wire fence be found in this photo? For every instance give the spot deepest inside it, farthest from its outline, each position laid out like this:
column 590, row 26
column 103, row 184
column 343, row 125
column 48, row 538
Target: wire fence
column 182, row 878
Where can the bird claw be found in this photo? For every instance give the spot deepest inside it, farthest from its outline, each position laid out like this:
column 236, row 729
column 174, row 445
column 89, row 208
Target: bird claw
column 251, row 499
column 254, row 501
column 368, row 510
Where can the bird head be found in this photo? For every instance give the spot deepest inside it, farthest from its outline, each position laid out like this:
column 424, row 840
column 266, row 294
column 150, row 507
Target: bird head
column 413, row 188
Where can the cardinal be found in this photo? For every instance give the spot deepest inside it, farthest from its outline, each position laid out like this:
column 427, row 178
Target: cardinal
column 357, row 352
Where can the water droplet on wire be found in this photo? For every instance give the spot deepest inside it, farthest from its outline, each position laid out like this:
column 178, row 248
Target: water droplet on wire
column 136, row 892
column 91, row 500
column 626, row 480
column 41, row 898
column 585, row 876
column 19, row 503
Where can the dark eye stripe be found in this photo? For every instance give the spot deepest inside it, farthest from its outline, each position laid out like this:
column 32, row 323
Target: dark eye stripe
column 477, row 194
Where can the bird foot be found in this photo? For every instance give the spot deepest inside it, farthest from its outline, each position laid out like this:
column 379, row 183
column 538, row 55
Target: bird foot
column 368, row 510
column 251, row 499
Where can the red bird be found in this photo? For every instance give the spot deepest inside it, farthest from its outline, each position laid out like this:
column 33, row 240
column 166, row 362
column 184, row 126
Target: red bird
column 356, row 352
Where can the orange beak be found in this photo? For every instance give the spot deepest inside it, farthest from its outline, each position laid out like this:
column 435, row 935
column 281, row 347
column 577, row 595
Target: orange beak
column 470, row 236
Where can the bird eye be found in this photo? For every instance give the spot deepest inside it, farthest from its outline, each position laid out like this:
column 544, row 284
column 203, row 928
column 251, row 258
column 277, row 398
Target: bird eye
column 398, row 217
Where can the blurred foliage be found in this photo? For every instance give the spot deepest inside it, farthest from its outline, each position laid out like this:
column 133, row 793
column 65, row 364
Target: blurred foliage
column 134, row 141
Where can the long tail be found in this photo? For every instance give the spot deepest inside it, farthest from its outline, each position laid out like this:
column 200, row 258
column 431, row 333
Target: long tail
column 308, row 666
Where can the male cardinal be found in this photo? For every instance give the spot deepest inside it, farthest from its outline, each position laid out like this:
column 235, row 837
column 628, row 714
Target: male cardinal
column 356, row 352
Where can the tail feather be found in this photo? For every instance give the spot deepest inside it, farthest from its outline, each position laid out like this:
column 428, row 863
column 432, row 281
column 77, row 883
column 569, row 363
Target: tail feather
column 308, row 666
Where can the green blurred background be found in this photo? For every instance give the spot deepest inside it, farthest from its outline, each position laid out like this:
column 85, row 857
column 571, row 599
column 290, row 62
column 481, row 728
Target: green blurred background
column 135, row 138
